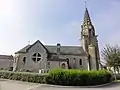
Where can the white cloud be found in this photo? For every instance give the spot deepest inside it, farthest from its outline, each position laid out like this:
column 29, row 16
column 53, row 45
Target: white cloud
column 11, row 27
column 107, row 25
column 5, row 8
column 14, row 27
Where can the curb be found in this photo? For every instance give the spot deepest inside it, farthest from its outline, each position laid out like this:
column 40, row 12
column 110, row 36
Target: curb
column 58, row 86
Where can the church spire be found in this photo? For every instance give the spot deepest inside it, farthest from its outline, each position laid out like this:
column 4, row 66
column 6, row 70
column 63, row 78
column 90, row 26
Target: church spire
column 87, row 16
column 89, row 41
column 87, row 27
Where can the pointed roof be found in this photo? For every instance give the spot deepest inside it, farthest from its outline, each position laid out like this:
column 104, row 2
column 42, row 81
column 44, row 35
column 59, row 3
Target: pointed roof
column 26, row 48
column 87, row 16
column 35, row 43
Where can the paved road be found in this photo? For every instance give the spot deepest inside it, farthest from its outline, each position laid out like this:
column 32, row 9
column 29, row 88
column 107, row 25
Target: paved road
column 17, row 85
column 115, row 86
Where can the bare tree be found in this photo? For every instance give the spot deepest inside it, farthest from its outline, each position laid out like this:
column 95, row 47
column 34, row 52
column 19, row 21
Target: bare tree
column 112, row 56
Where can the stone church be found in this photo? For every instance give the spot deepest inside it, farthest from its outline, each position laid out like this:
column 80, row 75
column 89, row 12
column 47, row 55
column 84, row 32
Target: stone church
column 39, row 57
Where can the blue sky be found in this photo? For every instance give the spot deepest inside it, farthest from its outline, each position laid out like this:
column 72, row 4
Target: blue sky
column 53, row 21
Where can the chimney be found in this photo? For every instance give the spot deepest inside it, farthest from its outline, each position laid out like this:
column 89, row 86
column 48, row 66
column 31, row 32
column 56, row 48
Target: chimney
column 58, row 48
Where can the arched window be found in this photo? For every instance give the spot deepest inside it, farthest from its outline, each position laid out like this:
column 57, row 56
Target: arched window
column 80, row 61
column 68, row 61
column 24, row 60
column 36, row 57
column 63, row 65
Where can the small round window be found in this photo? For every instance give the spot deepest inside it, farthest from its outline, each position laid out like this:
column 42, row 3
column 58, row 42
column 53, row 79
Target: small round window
column 36, row 57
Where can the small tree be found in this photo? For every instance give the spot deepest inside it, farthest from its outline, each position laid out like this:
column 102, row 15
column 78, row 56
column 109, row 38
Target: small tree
column 112, row 56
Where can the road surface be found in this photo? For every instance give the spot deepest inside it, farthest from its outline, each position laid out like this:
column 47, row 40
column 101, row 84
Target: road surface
column 18, row 85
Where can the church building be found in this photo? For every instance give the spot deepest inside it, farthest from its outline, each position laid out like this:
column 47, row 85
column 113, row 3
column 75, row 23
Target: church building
column 38, row 57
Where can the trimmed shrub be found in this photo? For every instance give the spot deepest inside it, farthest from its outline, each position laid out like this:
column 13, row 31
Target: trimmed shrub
column 78, row 77
column 61, row 77
column 28, row 77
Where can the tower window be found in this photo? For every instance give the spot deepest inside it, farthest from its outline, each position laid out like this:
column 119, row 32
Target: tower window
column 89, row 32
column 80, row 61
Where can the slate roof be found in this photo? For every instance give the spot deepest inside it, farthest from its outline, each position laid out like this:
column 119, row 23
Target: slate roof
column 23, row 50
column 7, row 57
column 66, row 50
column 71, row 50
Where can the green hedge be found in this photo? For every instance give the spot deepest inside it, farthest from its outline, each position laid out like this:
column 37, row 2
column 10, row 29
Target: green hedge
column 21, row 76
column 61, row 77
column 78, row 77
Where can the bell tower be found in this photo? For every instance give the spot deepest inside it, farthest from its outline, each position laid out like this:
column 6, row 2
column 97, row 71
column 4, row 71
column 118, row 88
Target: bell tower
column 89, row 42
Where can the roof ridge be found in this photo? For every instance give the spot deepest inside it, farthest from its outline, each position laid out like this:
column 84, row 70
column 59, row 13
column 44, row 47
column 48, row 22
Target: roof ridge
column 64, row 45
column 38, row 41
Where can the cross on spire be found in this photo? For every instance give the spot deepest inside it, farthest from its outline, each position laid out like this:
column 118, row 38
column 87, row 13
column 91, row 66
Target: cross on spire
column 86, row 3
column 86, row 19
column 29, row 42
